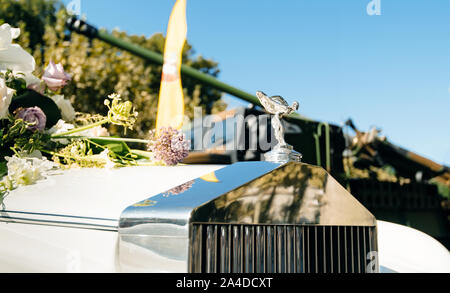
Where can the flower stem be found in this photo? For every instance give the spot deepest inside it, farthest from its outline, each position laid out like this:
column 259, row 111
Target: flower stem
column 107, row 138
column 145, row 154
column 63, row 134
column 56, row 154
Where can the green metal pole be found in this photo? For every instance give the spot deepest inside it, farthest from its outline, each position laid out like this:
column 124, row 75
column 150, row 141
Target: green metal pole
column 185, row 70
column 82, row 27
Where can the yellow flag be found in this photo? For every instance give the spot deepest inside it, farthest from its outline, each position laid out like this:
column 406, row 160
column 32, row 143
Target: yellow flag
column 171, row 100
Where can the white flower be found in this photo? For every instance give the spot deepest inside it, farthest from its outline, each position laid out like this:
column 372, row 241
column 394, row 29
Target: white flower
column 60, row 127
column 12, row 56
column 67, row 110
column 95, row 131
column 26, row 171
column 105, row 157
column 5, row 98
column 100, row 131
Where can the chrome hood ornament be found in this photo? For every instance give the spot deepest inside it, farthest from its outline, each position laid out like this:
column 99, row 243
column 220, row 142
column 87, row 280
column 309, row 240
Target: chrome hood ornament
column 278, row 107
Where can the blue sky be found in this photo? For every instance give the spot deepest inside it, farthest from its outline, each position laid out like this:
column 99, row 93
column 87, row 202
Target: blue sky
column 390, row 70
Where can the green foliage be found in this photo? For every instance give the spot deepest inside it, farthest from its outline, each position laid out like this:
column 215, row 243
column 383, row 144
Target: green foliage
column 3, row 169
column 17, row 137
column 98, row 69
column 443, row 189
column 117, row 147
column 14, row 82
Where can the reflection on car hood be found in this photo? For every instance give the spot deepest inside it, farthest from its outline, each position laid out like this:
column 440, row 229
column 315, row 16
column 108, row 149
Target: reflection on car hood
column 93, row 196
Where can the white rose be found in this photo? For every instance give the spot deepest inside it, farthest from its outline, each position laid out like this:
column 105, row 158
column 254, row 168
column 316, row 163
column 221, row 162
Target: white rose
column 5, row 98
column 13, row 56
column 67, row 111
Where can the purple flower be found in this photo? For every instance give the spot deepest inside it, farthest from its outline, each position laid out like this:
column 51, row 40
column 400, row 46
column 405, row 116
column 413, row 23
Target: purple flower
column 55, row 77
column 32, row 115
column 169, row 145
column 179, row 189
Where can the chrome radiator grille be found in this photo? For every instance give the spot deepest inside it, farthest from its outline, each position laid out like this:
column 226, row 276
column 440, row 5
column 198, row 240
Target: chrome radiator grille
column 280, row 248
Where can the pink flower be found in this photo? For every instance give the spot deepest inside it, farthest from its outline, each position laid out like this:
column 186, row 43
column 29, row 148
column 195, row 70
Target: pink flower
column 170, row 145
column 179, row 189
column 55, row 77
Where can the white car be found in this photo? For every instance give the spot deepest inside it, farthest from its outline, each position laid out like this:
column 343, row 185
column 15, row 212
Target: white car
column 244, row 217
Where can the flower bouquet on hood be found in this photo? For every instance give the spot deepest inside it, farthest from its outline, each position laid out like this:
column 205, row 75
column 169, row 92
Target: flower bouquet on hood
column 40, row 131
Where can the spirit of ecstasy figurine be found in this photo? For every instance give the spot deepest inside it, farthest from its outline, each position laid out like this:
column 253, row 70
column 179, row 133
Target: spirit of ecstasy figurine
column 278, row 107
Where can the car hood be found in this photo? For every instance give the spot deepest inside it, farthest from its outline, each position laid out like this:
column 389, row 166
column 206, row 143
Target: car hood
column 93, row 198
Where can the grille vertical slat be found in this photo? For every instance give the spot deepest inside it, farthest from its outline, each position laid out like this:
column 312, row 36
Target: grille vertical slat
column 364, row 250
column 224, row 250
column 280, row 248
column 331, row 251
column 299, row 261
column 236, row 250
column 359, row 250
column 290, row 249
column 339, row 249
column 351, row 251
column 211, row 248
column 303, row 250
column 324, row 248
column 271, row 251
column 260, row 249
column 345, row 250
column 316, row 256
column 249, row 247
column 308, row 251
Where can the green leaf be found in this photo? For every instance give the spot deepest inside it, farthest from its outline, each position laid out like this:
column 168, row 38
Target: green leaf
column 31, row 98
column 142, row 154
column 19, row 84
column 118, row 147
column 3, row 169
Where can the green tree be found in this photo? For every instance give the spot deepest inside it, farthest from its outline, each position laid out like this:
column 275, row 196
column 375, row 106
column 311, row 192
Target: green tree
column 98, row 69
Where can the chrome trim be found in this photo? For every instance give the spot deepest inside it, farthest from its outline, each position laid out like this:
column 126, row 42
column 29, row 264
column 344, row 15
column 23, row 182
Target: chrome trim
column 19, row 217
